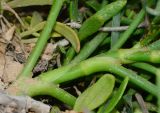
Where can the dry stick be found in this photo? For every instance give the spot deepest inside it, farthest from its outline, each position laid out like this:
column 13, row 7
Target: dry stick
column 23, row 103
column 141, row 103
column 108, row 29
column 121, row 28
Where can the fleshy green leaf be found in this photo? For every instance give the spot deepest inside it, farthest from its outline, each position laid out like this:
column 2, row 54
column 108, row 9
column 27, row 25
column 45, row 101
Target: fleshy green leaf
column 95, row 95
column 69, row 34
column 115, row 99
column 25, row 3
column 60, row 28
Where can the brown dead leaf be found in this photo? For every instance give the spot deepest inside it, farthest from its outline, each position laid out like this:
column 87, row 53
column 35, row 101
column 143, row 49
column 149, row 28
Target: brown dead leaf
column 67, row 111
column 9, row 34
column 2, row 63
column 49, row 50
column 3, row 86
column 4, row 28
column 47, row 54
column 2, row 47
column 2, row 66
column 5, row 6
column 12, row 69
column 29, row 47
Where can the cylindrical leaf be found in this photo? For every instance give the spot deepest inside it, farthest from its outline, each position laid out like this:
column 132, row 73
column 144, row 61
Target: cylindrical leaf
column 92, row 24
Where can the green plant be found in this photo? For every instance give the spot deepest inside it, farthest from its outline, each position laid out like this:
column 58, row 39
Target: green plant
column 101, row 52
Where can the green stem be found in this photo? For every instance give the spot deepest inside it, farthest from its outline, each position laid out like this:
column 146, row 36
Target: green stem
column 115, row 35
column 52, row 90
column 154, row 46
column 33, row 58
column 148, row 56
column 157, row 18
column 146, row 67
column 158, row 5
column 156, row 11
column 151, row 36
column 73, row 10
column 97, row 64
column 107, row 40
column 125, row 20
column 130, row 30
column 130, row 55
column 153, row 70
column 89, row 48
column 158, row 85
column 69, row 56
column 130, row 13
column 35, row 87
column 89, row 23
